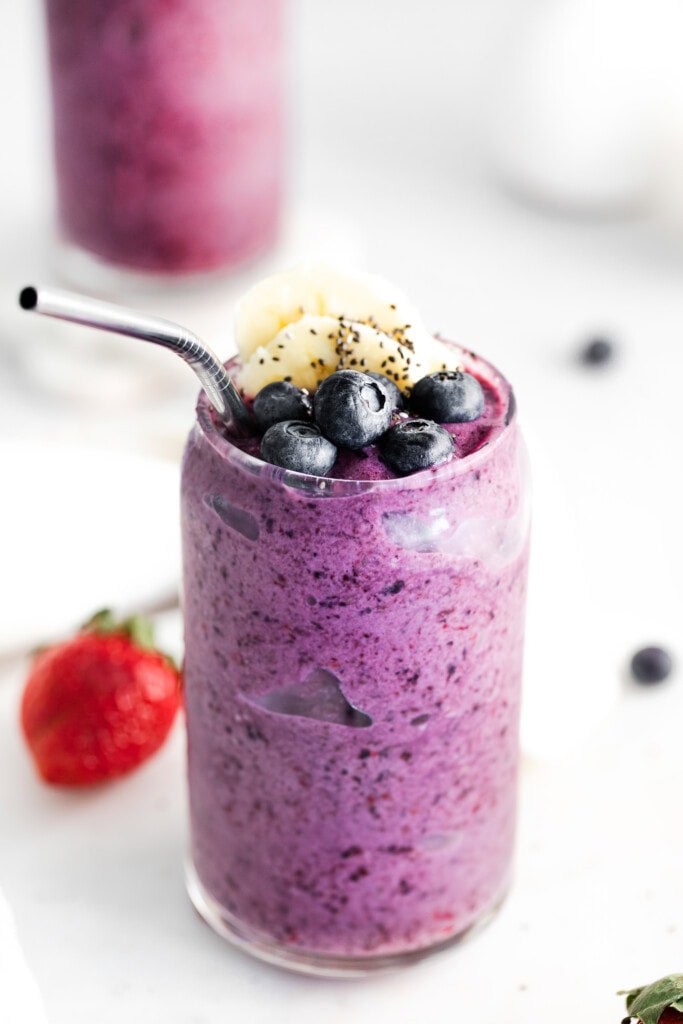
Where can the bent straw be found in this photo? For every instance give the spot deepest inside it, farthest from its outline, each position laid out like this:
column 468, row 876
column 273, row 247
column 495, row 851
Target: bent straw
column 80, row 309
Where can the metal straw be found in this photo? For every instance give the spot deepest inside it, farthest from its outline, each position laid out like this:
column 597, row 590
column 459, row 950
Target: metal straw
column 80, row 309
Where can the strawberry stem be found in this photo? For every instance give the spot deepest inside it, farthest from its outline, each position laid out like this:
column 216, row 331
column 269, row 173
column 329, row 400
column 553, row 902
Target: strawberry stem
column 141, row 631
column 103, row 621
column 138, row 628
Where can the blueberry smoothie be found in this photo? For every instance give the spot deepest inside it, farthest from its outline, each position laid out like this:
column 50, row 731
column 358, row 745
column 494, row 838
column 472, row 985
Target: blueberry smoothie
column 353, row 659
column 167, row 129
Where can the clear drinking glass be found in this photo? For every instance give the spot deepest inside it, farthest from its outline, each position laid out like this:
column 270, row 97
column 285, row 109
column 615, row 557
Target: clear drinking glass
column 353, row 661
column 167, row 130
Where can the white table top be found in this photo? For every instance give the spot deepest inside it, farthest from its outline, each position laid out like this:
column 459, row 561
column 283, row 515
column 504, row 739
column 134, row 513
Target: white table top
column 94, row 881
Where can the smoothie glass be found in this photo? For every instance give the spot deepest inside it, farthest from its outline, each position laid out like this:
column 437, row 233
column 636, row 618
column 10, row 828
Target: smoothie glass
column 167, row 130
column 353, row 661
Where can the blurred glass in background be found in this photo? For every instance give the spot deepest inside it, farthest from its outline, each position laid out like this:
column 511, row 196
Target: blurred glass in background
column 167, row 130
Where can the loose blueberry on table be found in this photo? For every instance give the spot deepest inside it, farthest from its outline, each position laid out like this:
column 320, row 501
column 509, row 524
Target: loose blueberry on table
column 597, row 351
column 651, row 665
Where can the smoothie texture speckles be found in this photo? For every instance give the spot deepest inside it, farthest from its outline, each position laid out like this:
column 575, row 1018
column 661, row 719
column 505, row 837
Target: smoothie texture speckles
column 353, row 661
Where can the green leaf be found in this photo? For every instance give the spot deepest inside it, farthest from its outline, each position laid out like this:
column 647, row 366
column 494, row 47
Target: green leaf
column 649, row 1002
column 137, row 627
column 140, row 630
column 103, row 621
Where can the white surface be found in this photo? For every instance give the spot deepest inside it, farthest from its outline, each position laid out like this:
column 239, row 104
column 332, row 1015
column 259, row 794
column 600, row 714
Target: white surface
column 20, row 999
column 84, row 530
column 567, row 695
column 95, row 880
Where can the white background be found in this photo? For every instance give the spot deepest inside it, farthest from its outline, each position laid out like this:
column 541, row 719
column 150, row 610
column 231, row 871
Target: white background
column 389, row 168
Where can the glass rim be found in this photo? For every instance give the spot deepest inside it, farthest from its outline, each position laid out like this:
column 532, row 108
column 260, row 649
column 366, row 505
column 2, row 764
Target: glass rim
column 328, row 486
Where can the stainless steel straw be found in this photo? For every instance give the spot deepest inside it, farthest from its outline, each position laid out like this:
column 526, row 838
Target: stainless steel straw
column 80, row 309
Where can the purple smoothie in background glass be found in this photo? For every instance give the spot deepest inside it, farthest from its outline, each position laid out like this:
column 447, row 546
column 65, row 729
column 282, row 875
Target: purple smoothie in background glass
column 167, row 129
column 352, row 668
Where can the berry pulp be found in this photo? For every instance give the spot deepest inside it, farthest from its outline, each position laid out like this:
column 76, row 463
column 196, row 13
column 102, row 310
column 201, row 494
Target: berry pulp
column 352, row 672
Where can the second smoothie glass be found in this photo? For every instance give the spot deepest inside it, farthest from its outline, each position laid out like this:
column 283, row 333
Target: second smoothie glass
column 353, row 663
column 167, row 131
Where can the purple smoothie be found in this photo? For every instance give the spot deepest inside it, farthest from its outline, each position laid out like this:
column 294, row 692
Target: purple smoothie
column 353, row 659
column 167, row 129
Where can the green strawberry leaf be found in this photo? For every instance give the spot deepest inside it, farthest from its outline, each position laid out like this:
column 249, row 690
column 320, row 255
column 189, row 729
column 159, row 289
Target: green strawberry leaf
column 141, row 631
column 103, row 621
column 138, row 628
column 649, row 1002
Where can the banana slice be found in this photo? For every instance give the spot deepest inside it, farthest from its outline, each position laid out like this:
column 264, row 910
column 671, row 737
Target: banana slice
column 313, row 347
column 303, row 324
column 304, row 352
column 320, row 290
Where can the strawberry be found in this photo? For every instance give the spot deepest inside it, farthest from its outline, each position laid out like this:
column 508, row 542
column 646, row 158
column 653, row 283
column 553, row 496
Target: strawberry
column 98, row 705
column 658, row 1003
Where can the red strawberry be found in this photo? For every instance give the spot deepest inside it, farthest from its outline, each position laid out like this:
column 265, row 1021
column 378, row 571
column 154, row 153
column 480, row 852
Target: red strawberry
column 658, row 1003
column 100, row 704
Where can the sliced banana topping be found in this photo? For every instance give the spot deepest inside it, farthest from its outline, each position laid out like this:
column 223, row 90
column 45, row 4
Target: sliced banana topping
column 304, row 324
column 303, row 352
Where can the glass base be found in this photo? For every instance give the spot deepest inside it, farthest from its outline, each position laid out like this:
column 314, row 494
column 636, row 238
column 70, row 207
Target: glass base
column 321, row 965
column 80, row 268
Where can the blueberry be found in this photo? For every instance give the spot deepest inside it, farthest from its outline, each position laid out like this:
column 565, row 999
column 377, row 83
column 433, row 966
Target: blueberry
column 281, row 401
column 651, row 665
column 351, row 408
column 297, row 445
column 415, row 444
column 391, row 387
column 597, row 351
column 448, row 396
